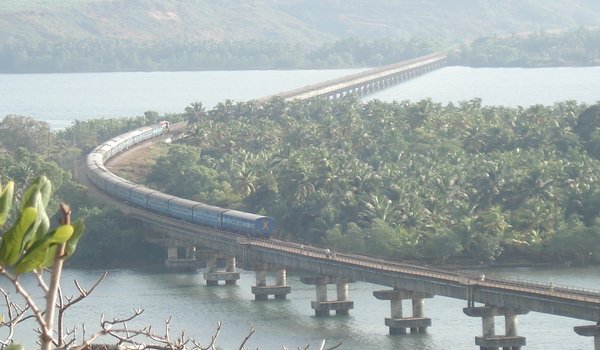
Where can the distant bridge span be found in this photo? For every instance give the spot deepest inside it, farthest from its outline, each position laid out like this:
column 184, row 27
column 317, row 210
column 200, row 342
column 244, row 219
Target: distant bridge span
column 498, row 297
column 369, row 81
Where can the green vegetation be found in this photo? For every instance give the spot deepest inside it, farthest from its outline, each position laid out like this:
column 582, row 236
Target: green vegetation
column 571, row 48
column 110, row 55
column 31, row 148
column 404, row 180
column 146, row 35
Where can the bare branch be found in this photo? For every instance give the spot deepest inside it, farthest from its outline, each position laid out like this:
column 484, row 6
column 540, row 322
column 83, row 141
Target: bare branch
column 59, row 326
column 39, row 275
column 70, row 301
column 335, row 346
column 212, row 341
column 136, row 313
column 168, row 329
column 39, row 316
column 51, row 296
column 252, row 330
column 15, row 315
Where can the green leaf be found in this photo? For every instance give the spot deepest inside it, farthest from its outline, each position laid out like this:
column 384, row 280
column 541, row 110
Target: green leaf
column 41, row 184
column 28, row 198
column 42, row 222
column 61, row 234
column 6, row 196
column 78, row 227
column 38, row 255
column 37, row 196
column 12, row 241
column 49, row 257
column 45, row 187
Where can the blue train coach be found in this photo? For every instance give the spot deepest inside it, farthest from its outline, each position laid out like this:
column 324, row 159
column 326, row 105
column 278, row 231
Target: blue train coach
column 248, row 223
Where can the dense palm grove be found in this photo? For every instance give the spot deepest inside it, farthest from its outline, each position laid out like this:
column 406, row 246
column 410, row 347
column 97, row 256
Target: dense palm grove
column 111, row 55
column 404, row 179
column 542, row 49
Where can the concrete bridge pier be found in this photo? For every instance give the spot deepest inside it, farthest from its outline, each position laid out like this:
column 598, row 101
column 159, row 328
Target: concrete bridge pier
column 172, row 253
column 590, row 331
column 397, row 323
column 489, row 340
column 321, row 289
column 280, row 290
column 322, row 305
column 342, row 296
column 180, row 255
column 213, row 275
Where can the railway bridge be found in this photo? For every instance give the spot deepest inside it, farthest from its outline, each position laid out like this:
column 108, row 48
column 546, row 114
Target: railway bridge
column 486, row 298
column 369, row 81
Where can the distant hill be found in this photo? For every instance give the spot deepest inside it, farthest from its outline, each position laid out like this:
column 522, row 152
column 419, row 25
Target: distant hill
column 292, row 21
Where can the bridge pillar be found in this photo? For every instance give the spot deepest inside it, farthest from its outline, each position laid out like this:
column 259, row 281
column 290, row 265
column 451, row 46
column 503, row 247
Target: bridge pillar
column 212, row 276
column 321, row 290
column 261, row 277
column 322, row 306
column 418, row 306
column 342, row 295
column 397, row 323
column 489, row 340
column 230, row 269
column 590, row 331
column 280, row 290
column 180, row 254
column 172, row 253
column 281, row 281
column 211, row 269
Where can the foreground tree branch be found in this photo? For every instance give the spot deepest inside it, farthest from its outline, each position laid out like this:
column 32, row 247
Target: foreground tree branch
column 48, row 330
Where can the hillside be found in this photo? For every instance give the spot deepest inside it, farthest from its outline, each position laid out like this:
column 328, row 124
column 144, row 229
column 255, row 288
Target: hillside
column 292, row 21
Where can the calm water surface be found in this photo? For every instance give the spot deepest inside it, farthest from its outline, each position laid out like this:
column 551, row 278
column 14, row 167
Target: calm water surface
column 62, row 98
column 501, row 86
column 291, row 323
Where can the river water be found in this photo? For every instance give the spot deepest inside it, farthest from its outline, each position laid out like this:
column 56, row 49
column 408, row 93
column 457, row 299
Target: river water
column 197, row 308
column 62, row 98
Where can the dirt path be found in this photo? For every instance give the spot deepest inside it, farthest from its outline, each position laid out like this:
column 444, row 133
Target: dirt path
column 135, row 164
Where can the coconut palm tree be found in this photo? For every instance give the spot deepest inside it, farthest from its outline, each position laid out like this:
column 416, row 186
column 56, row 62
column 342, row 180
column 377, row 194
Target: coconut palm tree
column 195, row 113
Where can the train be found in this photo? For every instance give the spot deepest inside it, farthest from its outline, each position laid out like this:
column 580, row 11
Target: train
column 229, row 220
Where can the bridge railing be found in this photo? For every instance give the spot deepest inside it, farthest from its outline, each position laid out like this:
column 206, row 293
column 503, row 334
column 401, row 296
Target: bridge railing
column 545, row 288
